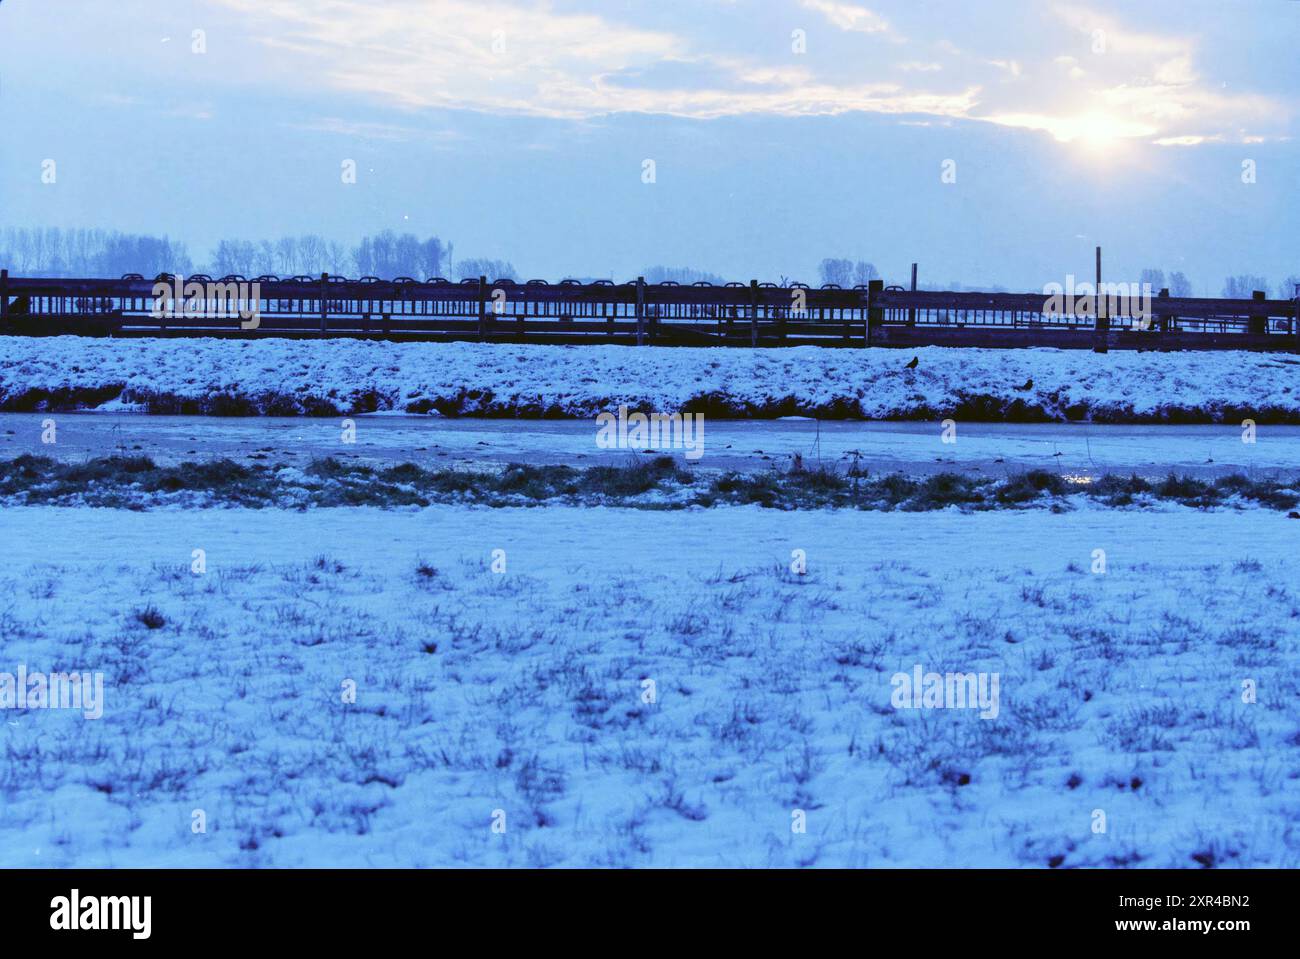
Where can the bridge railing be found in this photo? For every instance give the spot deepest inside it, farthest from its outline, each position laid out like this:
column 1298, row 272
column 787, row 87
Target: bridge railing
column 755, row 314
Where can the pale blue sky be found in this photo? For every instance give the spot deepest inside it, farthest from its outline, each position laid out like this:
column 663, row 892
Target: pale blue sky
column 518, row 130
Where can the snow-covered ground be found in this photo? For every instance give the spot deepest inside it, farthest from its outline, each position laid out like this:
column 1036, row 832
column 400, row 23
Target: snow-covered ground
column 517, row 698
column 289, row 377
column 1146, row 658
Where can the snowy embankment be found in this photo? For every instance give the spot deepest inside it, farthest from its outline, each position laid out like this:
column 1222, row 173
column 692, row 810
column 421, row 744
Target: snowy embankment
column 340, row 376
column 619, row 687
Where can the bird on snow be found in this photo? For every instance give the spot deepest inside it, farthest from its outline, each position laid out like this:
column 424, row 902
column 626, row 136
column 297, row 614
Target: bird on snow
column 915, row 360
column 1029, row 385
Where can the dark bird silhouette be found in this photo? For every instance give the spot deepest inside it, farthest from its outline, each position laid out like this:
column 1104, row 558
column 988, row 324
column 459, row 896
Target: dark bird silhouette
column 915, row 360
column 1029, row 385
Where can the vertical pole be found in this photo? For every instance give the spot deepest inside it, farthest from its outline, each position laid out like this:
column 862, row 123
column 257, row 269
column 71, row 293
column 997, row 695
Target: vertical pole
column 1295, row 314
column 1101, row 322
column 753, row 312
column 324, row 292
column 640, row 311
column 482, row 307
column 911, row 313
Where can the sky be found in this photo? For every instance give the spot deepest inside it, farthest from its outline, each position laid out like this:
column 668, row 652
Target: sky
column 992, row 143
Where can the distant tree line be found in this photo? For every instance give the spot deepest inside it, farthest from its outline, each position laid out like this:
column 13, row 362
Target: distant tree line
column 492, row 269
column 386, row 255
column 1244, row 286
column 1240, row 287
column 680, row 274
column 847, row 273
column 1177, row 284
column 53, row 251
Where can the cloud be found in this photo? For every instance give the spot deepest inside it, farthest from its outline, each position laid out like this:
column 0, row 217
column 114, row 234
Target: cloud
column 848, row 16
column 1113, row 36
column 1071, row 66
column 1143, row 85
column 376, row 131
column 1157, row 86
column 1184, row 141
column 531, row 60
column 456, row 53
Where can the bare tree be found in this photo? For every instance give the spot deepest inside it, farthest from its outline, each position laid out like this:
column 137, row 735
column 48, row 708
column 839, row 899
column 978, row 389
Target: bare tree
column 864, row 273
column 680, row 274
column 1153, row 278
column 265, row 259
column 836, row 271
column 1241, row 287
column 235, row 257
column 492, row 269
column 846, row 273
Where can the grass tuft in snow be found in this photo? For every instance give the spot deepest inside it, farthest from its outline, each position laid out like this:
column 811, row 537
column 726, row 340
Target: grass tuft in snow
column 644, row 483
column 149, row 617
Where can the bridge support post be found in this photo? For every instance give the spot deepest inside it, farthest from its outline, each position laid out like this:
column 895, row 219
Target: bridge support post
column 753, row 312
column 482, row 307
column 875, row 315
column 4, row 296
column 1259, row 320
column 640, row 311
column 324, row 292
column 1162, row 318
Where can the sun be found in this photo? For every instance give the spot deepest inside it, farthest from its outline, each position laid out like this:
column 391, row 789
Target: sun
column 1094, row 130
column 1098, row 130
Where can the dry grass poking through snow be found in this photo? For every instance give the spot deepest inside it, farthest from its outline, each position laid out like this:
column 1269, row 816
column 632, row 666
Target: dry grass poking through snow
column 522, row 692
column 136, row 482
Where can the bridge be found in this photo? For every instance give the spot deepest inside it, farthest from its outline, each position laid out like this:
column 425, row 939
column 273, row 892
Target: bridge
column 750, row 314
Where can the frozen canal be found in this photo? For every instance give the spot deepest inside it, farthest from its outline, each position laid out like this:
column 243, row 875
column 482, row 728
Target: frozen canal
column 915, row 448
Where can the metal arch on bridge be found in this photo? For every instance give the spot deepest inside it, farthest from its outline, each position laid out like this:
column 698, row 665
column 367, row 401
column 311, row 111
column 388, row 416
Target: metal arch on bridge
column 742, row 314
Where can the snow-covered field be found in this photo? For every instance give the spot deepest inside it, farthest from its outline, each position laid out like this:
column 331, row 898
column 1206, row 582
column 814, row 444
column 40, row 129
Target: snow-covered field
column 290, row 377
column 591, row 685
column 517, row 698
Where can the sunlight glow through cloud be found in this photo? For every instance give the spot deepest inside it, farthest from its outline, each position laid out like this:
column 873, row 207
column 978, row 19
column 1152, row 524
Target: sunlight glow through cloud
column 532, row 59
